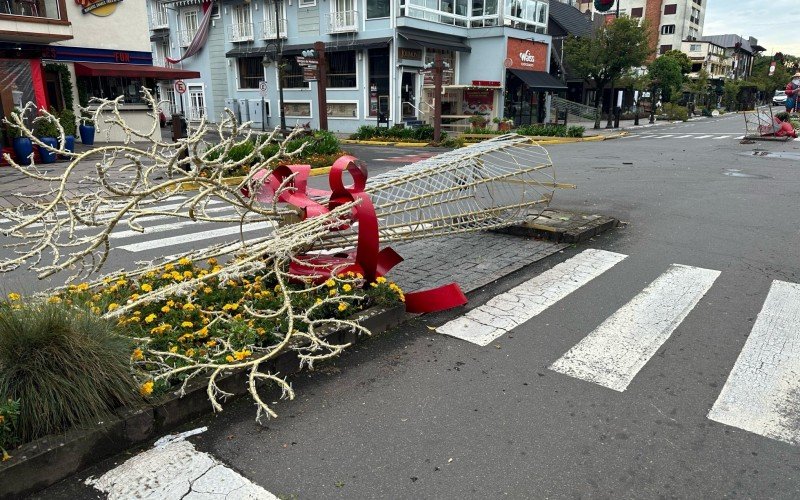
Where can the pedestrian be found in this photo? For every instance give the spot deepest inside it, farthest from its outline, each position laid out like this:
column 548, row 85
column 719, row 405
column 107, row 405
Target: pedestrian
column 786, row 128
column 793, row 93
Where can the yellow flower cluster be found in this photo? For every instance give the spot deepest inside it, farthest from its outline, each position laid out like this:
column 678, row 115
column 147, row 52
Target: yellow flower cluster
column 13, row 297
column 137, row 355
column 161, row 329
column 146, row 389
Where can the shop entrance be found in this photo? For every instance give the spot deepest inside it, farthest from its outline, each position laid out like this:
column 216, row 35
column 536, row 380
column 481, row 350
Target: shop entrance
column 524, row 105
column 408, row 98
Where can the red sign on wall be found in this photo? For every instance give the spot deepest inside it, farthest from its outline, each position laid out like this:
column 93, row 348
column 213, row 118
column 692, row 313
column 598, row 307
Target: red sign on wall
column 527, row 55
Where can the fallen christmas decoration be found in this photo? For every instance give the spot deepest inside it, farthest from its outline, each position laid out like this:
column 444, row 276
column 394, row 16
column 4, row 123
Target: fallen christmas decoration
column 315, row 269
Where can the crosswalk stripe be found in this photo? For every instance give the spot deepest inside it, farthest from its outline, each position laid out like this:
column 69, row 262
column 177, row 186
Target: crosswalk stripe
column 664, row 136
column 721, row 137
column 613, row 354
column 507, row 311
column 118, row 235
column 762, row 393
column 683, row 136
column 704, row 136
column 193, row 237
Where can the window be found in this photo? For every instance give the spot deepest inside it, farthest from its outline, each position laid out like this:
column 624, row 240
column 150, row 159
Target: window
column 378, row 8
column 527, row 13
column 671, row 9
column 695, row 47
column 342, row 69
column 307, row 3
column 668, row 29
column 665, row 49
column 484, row 13
column 292, row 74
column 251, row 72
column 637, row 12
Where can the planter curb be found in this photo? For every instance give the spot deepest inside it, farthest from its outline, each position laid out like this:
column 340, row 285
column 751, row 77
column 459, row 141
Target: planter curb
column 41, row 463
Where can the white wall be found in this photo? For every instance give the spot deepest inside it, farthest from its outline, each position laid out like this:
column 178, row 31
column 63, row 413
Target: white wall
column 125, row 29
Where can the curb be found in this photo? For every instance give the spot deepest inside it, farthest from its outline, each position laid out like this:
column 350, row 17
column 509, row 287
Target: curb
column 41, row 463
column 397, row 144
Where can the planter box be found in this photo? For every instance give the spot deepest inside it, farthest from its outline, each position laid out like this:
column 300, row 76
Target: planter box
column 41, row 463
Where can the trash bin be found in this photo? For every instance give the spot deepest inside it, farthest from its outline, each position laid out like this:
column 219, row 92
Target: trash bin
column 179, row 127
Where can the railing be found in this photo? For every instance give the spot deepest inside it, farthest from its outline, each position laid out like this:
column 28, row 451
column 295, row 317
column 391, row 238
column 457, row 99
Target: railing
column 343, row 21
column 574, row 108
column 433, row 15
column 240, row 32
column 159, row 20
column 195, row 114
column 186, row 36
column 161, row 62
column 31, row 8
column 269, row 29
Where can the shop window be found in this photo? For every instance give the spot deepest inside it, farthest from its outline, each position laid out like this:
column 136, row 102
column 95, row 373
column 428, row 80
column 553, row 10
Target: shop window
column 251, row 72
column 307, row 3
column 668, row 29
column 670, row 9
column 298, row 109
column 527, row 14
column 342, row 69
column 378, row 78
column 637, row 12
column 377, row 9
column 448, row 57
column 292, row 74
column 110, row 87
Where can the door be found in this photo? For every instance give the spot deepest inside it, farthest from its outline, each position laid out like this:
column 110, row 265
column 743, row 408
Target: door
column 242, row 23
column 197, row 102
column 190, row 25
column 408, row 98
column 270, row 23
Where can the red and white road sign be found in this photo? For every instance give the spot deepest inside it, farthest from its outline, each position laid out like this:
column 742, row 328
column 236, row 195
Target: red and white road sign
column 180, row 86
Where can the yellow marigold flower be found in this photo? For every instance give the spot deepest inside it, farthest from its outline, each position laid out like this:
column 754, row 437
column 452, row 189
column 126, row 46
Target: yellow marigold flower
column 351, row 274
column 6, row 456
column 240, row 355
column 238, row 316
column 203, row 332
column 187, row 274
column 232, row 283
column 150, row 274
column 169, row 267
column 184, row 261
column 113, row 306
column 229, row 358
column 230, row 307
column 188, row 307
column 189, row 352
column 146, row 389
column 380, row 280
column 261, row 331
column 137, row 313
column 106, row 281
column 258, row 295
column 173, row 349
column 171, row 303
column 187, row 324
column 277, row 288
column 83, row 287
column 135, row 296
column 207, row 289
column 165, row 309
column 373, row 285
column 318, row 301
column 55, row 299
column 342, row 306
column 14, row 296
column 205, row 320
column 166, row 276
column 146, row 288
column 122, row 282
column 359, row 276
column 95, row 310
column 212, row 261
column 97, row 297
column 346, row 287
column 330, row 283
column 150, row 318
column 216, row 269
column 176, row 276
column 211, row 343
column 133, row 319
column 137, row 355
column 332, row 292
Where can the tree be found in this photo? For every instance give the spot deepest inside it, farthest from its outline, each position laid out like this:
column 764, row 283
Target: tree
column 665, row 75
column 766, row 83
column 699, row 88
column 603, row 57
column 683, row 60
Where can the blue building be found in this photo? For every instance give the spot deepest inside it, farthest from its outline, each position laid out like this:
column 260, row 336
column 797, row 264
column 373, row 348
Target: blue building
column 498, row 53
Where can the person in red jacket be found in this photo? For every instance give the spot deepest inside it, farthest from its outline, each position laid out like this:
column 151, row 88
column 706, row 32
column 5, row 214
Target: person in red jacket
column 793, row 93
column 786, row 128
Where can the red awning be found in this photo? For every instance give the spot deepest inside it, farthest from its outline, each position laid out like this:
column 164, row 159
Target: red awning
column 132, row 71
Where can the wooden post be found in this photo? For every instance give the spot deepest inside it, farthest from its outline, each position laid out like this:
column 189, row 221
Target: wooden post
column 438, row 68
column 322, row 85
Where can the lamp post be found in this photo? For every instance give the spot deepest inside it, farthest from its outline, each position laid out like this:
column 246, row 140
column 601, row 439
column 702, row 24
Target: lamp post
column 318, row 53
column 279, row 63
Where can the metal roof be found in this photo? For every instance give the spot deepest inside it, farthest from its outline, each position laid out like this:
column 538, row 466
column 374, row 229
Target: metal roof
column 571, row 19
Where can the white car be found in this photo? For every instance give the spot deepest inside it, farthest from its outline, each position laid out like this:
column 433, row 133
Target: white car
column 779, row 99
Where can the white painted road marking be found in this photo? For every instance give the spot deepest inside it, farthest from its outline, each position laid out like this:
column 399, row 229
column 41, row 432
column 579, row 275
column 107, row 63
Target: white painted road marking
column 507, row 311
column 613, row 354
column 196, row 237
column 174, row 469
column 762, row 393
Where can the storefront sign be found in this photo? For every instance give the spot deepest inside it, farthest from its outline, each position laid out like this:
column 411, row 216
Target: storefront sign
column 447, row 77
column 478, row 101
column 409, row 54
column 100, row 8
column 485, row 83
column 310, row 74
column 526, row 54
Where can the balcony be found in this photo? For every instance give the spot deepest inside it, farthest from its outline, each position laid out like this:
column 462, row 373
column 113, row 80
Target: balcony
column 268, row 29
column 343, row 21
column 240, row 32
column 159, row 20
column 161, row 62
column 186, row 36
column 38, row 21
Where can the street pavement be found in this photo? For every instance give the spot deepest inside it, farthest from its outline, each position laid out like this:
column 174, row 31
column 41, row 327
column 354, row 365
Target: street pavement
column 659, row 360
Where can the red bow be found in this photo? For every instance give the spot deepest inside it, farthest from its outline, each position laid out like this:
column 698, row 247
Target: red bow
column 367, row 259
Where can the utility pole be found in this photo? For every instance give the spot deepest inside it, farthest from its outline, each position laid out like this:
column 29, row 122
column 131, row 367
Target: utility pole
column 322, row 84
column 438, row 69
column 612, row 102
column 279, row 62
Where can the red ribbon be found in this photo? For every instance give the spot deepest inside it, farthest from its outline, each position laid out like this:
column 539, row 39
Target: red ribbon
column 367, row 259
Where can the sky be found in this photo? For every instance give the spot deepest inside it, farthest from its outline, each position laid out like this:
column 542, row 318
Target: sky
column 774, row 23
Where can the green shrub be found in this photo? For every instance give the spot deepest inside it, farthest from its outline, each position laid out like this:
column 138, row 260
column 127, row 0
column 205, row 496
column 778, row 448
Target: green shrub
column 673, row 112
column 9, row 418
column 367, row 132
column 45, row 127
column 67, row 120
column 543, row 130
column 240, row 151
column 575, row 131
column 66, row 367
column 323, row 143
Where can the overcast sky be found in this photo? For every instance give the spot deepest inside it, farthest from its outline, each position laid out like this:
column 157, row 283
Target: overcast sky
column 774, row 23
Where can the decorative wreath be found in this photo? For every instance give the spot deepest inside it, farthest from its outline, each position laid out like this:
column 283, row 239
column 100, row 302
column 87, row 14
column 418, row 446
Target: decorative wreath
column 603, row 5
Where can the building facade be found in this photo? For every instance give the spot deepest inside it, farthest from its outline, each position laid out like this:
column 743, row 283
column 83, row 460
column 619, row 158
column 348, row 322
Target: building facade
column 739, row 52
column 497, row 54
column 707, row 56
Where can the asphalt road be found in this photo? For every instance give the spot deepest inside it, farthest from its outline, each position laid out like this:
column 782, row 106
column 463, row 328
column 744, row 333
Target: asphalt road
column 416, row 414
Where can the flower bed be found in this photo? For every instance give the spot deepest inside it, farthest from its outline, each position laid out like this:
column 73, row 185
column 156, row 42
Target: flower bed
column 422, row 134
column 551, row 131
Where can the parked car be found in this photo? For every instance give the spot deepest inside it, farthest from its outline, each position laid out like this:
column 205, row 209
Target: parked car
column 779, row 99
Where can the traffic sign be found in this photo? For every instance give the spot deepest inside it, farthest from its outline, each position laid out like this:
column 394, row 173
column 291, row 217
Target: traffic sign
column 262, row 88
column 180, row 86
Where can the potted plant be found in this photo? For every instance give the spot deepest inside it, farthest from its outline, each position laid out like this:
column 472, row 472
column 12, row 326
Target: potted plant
column 46, row 130
column 67, row 120
column 23, row 146
column 86, row 128
column 478, row 121
column 505, row 124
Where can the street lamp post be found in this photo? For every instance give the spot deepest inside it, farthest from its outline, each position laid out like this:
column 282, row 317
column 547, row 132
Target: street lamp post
column 279, row 63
